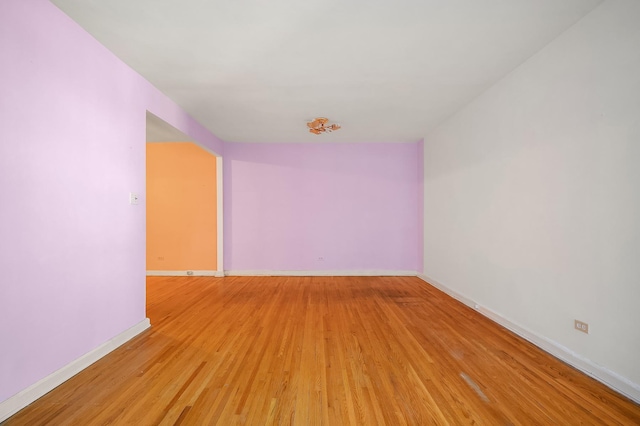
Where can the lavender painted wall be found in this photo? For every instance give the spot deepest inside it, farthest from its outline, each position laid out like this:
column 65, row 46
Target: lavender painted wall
column 72, row 249
column 354, row 205
column 420, row 160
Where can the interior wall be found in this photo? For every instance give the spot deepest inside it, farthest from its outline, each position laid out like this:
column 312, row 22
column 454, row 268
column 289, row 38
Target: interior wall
column 181, row 207
column 531, row 193
column 73, row 147
column 321, row 207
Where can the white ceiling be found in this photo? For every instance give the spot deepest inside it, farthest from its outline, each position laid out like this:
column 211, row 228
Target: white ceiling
column 257, row 70
column 159, row 130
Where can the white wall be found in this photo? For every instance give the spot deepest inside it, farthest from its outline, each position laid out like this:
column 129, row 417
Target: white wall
column 532, row 194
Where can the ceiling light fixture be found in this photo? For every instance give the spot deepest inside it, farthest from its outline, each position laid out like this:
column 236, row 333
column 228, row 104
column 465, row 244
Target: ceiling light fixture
column 319, row 125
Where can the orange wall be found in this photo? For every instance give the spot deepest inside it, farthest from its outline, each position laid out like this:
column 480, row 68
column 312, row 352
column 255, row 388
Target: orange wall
column 181, row 207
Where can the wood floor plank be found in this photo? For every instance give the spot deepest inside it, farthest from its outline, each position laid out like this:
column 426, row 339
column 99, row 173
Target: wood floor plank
column 323, row 351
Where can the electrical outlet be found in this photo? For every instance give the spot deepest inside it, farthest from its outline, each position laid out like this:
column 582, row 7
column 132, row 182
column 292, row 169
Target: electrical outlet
column 581, row 326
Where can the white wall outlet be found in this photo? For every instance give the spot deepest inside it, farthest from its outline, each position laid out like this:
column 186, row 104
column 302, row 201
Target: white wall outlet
column 133, row 198
column 581, row 326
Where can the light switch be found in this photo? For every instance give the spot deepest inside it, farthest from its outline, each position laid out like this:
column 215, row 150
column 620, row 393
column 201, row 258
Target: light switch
column 133, row 198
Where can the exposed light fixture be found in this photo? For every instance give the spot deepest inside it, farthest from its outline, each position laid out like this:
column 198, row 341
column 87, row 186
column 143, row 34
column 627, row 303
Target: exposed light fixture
column 319, row 125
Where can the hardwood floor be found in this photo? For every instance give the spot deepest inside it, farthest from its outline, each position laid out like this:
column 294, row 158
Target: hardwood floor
column 323, row 350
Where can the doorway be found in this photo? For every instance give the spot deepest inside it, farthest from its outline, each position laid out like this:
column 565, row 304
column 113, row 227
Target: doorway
column 183, row 204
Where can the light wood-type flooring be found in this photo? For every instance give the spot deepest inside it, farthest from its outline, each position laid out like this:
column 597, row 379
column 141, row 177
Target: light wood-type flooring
column 323, row 350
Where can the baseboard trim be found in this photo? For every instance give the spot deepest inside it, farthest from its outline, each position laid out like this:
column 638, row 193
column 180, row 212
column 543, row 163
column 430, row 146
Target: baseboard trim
column 25, row 397
column 186, row 273
column 350, row 273
column 602, row 374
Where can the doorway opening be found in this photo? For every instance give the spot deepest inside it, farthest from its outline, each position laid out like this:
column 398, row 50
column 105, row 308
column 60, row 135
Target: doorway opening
column 183, row 204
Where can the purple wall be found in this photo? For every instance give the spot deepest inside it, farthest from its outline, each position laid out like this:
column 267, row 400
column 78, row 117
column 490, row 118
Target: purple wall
column 72, row 249
column 355, row 205
column 420, row 160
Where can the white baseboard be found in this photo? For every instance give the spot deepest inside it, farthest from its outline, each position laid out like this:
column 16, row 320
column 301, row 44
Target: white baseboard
column 357, row 273
column 602, row 374
column 194, row 273
column 25, row 397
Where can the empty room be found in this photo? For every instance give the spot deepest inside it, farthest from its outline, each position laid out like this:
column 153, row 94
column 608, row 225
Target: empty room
column 286, row 212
